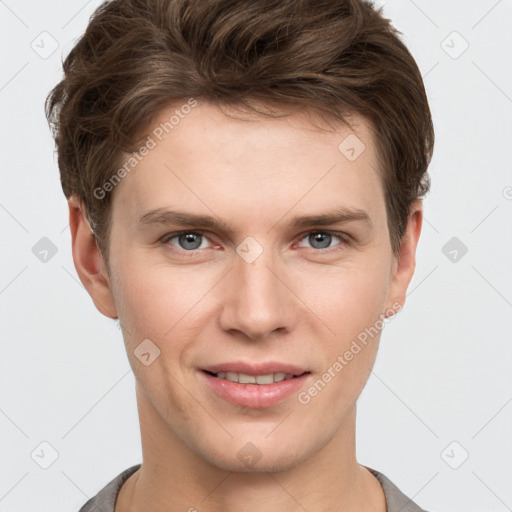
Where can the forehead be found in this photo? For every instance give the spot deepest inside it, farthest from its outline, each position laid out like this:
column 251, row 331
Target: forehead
column 221, row 159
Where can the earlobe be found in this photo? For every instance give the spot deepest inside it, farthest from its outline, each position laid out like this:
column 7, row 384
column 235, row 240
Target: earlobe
column 89, row 261
column 405, row 263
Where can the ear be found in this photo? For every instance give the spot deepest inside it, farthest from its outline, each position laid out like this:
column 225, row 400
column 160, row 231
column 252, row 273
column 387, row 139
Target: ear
column 405, row 263
column 88, row 260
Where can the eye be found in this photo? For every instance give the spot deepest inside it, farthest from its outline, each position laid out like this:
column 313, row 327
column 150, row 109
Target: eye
column 186, row 240
column 323, row 239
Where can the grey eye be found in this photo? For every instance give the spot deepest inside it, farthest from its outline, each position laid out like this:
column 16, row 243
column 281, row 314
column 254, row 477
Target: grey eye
column 190, row 241
column 320, row 240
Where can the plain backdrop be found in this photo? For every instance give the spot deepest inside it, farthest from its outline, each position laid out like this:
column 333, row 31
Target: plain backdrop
column 436, row 414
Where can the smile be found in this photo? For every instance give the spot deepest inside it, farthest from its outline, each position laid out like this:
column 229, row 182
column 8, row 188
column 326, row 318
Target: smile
column 244, row 378
column 254, row 386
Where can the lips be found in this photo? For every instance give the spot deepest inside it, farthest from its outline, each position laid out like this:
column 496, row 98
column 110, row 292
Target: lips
column 254, row 385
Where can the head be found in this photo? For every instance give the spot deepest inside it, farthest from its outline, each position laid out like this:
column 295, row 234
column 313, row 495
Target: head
column 260, row 117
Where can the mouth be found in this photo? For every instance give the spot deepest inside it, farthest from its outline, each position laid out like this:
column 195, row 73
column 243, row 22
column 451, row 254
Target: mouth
column 254, row 386
column 244, row 378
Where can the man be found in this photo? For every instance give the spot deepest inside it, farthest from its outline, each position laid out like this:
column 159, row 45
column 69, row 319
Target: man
column 244, row 182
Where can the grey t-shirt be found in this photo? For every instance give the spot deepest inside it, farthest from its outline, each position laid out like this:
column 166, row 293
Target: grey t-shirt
column 105, row 500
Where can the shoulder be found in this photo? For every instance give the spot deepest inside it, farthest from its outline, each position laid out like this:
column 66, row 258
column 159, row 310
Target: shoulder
column 396, row 500
column 105, row 500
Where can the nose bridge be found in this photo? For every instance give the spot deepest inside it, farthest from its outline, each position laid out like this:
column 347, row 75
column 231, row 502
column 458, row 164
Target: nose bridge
column 256, row 302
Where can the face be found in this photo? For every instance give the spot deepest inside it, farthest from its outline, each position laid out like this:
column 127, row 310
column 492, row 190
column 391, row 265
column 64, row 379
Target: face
column 252, row 249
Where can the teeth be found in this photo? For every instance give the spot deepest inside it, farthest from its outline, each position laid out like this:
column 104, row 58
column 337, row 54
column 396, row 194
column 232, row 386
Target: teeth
column 265, row 379
column 246, row 379
column 243, row 378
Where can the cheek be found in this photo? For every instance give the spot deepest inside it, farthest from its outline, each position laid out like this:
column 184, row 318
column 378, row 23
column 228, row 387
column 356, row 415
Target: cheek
column 157, row 301
column 347, row 299
column 350, row 301
column 162, row 304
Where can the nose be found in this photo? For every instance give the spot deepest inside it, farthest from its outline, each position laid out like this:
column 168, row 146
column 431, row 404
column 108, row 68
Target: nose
column 256, row 299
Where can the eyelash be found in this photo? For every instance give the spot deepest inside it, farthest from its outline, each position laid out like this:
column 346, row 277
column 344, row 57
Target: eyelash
column 344, row 238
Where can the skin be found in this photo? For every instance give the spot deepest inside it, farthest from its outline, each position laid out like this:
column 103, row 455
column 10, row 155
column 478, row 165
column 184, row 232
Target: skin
column 295, row 303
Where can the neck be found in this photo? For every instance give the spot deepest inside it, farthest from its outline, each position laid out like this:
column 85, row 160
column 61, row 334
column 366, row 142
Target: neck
column 173, row 477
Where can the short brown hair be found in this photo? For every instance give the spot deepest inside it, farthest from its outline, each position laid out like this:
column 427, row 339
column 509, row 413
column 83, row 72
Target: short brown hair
column 333, row 57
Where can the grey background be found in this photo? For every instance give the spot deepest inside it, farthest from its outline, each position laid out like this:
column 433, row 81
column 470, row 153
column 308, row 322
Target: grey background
column 441, row 389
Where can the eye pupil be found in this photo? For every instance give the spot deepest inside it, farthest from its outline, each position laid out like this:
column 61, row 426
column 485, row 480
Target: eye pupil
column 320, row 240
column 190, row 241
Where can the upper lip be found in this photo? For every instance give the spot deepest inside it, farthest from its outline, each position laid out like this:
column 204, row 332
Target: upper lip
column 256, row 368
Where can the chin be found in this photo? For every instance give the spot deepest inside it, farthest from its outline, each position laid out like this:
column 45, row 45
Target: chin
column 258, row 457
column 266, row 464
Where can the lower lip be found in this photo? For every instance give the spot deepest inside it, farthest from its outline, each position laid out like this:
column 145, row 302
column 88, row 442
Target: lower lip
column 255, row 396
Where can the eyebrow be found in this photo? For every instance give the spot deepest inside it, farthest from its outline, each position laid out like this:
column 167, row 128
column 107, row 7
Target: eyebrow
column 333, row 217
column 166, row 216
